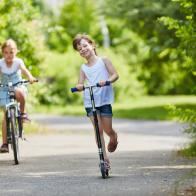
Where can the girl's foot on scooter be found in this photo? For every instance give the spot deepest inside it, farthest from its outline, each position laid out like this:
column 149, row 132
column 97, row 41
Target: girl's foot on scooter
column 107, row 164
column 113, row 143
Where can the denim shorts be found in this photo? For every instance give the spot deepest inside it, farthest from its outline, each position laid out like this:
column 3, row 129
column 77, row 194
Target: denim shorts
column 104, row 110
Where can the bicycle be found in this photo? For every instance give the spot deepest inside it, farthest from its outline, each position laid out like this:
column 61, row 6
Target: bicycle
column 14, row 127
column 104, row 170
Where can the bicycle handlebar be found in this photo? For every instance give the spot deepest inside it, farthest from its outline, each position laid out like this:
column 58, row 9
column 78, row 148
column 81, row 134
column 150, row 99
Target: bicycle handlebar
column 15, row 84
column 74, row 89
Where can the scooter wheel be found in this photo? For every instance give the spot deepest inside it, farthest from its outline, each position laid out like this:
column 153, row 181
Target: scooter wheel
column 103, row 172
column 107, row 172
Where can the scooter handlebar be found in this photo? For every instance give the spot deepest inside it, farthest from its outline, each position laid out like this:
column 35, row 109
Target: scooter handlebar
column 107, row 83
column 74, row 89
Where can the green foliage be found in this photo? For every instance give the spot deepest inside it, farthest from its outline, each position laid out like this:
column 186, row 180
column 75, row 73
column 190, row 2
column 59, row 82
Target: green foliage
column 137, row 33
column 147, row 52
column 187, row 115
column 189, row 151
column 128, row 84
column 78, row 16
column 164, row 71
column 17, row 21
column 75, row 17
column 185, row 31
column 57, row 38
column 61, row 72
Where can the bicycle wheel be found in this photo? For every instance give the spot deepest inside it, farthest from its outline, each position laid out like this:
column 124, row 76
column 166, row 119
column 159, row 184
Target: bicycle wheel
column 14, row 134
column 20, row 127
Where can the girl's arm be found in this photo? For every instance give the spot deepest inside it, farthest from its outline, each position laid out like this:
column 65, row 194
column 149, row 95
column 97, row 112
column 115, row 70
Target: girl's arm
column 112, row 71
column 81, row 80
column 27, row 73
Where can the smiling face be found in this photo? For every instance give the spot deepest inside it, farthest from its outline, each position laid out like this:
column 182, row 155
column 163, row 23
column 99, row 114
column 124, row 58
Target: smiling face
column 85, row 49
column 9, row 54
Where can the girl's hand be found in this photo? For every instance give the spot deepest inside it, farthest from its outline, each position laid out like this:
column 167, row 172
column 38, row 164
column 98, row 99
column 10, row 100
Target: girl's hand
column 102, row 82
column 80, row 87
column 32, row 80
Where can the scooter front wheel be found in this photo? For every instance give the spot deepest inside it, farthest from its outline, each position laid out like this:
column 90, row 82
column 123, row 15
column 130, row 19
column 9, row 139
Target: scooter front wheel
column 107, row 172
column 103, row 171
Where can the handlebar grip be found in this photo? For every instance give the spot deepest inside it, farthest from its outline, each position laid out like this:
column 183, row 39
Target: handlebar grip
column 74, row 89
column 107, row 83
column 27, row 81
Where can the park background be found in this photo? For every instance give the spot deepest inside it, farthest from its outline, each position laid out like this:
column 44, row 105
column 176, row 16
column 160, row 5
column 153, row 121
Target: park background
column 151, row 43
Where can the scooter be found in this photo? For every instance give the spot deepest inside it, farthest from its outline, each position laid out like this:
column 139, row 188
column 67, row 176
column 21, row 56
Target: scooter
column 104, row 170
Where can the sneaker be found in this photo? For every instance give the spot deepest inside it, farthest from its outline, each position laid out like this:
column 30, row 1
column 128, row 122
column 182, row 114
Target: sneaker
column 4, row 148
column 107, row 165
column 25, row 117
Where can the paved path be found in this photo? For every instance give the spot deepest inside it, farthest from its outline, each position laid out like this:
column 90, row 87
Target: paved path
column 65, row 162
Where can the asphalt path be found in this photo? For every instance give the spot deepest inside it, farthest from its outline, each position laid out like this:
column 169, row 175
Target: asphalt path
column 64, row 160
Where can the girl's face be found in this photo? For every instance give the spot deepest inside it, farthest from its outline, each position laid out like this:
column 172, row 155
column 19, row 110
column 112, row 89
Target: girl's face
column 9, row 54
column 85, row 49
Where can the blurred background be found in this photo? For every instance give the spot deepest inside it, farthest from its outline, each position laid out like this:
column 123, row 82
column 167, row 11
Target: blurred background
column 151, row 43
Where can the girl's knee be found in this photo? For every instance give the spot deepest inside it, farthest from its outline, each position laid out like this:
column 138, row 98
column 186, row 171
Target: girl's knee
column 19, row 94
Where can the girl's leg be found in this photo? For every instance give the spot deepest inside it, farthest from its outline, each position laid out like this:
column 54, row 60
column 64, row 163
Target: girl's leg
column 20, row 97
column 4, row 133
column 107, row 127
column 101, row 136
column 4, row 146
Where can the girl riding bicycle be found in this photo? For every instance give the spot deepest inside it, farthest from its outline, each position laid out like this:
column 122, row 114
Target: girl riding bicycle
column 97, row 70
column 11, row 69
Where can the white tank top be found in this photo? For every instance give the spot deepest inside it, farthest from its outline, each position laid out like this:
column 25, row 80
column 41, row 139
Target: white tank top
column 94, row 74
column 15, row 67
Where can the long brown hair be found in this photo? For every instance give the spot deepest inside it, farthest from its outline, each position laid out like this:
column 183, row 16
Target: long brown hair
column 77, row 39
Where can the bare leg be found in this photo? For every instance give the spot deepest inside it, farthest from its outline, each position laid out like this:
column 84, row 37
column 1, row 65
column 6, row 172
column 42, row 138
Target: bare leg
column 20, row 97
column 107, row 127
column 4, row 133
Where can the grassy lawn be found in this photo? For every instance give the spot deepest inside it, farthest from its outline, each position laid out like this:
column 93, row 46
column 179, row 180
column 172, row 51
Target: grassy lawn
column 147, row 107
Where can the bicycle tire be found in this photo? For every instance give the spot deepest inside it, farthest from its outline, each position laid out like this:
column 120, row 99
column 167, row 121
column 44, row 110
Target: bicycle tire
column 20, row 126
column 14, row 134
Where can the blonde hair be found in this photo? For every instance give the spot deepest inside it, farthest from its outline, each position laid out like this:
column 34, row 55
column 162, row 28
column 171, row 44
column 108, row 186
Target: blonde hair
column 11, row 43
column 77, row 39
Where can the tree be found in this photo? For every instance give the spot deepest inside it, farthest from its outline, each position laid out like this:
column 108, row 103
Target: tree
column 164, row 70
column 185, row 31
column 75, row 17
column 18, row 21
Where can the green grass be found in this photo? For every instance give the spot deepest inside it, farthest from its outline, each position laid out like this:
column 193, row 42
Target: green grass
column 146, row 107
column 189, row 151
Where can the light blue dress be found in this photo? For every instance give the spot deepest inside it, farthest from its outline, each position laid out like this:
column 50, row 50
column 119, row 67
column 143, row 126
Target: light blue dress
column 5, row 79
column 9, row 74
